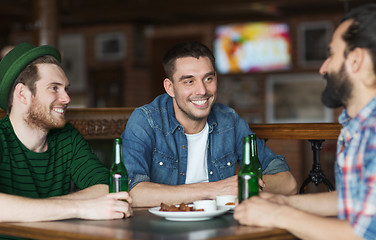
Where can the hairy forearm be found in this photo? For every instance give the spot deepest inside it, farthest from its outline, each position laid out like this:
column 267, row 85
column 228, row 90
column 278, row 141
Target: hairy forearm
column 305, row 226
column 20, row 209
column 281, row 183
column 148, row 194
column 87, row 193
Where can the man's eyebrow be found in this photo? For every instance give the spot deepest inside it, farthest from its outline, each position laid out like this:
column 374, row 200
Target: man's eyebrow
column 55, row 83
column 185, row 77
column 191, row 76
column 210, row 74
column 58, row 84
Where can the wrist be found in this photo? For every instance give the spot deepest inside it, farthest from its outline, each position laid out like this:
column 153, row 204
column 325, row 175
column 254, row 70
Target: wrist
column 282, row 217
column 77, row 208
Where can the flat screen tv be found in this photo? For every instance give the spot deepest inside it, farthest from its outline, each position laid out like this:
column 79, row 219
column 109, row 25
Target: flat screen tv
column 252, row 47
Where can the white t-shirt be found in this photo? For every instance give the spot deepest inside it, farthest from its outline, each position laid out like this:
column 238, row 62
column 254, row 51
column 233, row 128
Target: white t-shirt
column 197, row 167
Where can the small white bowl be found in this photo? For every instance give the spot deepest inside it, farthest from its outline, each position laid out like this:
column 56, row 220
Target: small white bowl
column 226, row 200
column 207, row 205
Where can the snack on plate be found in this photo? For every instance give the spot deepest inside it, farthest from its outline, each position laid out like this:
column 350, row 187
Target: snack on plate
column 172, row 208
column 230, row 203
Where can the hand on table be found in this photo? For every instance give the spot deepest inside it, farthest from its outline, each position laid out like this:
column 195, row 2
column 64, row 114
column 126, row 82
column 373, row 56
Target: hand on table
column 262, row 210
column 228, row 186
column 110, row 206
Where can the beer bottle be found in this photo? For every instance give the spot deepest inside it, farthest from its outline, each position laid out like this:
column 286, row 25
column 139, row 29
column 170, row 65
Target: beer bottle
column 118, row 172
column 256, row 165
column 247, row 179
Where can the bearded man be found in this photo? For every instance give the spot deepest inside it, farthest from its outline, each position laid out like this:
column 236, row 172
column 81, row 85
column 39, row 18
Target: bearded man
column 41, row 154
column 350, row 71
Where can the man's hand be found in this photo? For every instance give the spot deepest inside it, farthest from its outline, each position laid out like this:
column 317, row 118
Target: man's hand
column 110, row 206
column 228, row 186
column 261, row 184
column 258, row 211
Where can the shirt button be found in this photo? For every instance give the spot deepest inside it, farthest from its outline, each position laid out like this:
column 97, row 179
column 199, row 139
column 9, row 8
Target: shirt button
column 182, row 173
column 183, row 147
column 160, row 163
column 228, row 164
column 211, row 173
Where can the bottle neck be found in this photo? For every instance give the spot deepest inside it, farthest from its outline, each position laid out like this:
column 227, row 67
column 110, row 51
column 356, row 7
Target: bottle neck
column 247, row 156
column 117, row 153
column 253, row 147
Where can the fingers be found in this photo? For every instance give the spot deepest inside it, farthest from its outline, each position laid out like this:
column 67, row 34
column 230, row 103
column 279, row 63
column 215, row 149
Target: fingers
column 123, row 203
column 122, row 196
column 122, row 209
column 261, row 184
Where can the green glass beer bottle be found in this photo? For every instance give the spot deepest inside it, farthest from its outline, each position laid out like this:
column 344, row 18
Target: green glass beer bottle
column 247, row 179
column 118, row 172
column 256, row 165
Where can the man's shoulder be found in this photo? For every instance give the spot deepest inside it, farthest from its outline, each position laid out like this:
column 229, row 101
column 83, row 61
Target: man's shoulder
column 159, row 103
column 160, row 107
column 5, row 126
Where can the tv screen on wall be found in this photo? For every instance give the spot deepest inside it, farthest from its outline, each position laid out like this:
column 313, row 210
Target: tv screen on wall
column 252, row 47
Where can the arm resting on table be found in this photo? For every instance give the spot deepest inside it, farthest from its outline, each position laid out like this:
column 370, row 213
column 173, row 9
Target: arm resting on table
column 310, row 226
column 302, row 215
column 148, row 194
column 22, row 209
column 281, row 183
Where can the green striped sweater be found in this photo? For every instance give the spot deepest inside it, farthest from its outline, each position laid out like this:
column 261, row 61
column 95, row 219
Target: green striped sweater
column 40, row 175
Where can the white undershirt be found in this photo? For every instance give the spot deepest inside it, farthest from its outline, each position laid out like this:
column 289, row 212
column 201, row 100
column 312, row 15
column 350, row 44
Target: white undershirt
column 197, row 167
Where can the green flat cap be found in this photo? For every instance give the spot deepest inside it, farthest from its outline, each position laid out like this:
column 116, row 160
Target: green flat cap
column 15, row 62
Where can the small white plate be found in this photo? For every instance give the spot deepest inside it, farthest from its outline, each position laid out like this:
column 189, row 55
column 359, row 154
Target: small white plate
column 187, row 216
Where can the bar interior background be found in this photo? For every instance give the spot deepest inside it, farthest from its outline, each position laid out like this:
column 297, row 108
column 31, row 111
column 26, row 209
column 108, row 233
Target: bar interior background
column 112, row 54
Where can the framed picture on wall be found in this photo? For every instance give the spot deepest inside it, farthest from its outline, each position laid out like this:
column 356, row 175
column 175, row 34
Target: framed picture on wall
column 296, row 98
column 110, row 46
column 313, row 41
column 72, row 47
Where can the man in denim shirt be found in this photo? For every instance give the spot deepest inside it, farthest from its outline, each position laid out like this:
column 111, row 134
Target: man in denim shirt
column 183, row 146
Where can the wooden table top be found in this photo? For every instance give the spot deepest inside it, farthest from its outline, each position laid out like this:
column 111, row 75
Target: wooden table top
column 143, row 225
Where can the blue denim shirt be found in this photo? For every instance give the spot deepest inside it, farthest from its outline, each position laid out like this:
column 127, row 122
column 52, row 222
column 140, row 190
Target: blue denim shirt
column 155, row 146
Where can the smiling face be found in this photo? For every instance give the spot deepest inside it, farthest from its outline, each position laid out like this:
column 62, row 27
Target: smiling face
column 48, row 105
column 193, row 88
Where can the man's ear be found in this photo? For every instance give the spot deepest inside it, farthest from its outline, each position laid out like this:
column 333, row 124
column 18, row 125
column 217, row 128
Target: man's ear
column 169, row 88
column 361, row 66
column 21, row 93
column 356, row 59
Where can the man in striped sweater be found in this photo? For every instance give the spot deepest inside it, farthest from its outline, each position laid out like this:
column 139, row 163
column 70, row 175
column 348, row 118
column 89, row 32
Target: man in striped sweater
column 41, row 154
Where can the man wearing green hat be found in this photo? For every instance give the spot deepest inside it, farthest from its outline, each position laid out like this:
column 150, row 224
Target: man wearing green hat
column 41, row 154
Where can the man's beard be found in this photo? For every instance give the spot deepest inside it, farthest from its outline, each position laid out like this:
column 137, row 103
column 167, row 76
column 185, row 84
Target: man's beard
column 190, row 115
column 40, row 117
column 338, row 89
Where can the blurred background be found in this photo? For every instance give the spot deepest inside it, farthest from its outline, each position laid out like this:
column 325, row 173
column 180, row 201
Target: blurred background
column 268, row 53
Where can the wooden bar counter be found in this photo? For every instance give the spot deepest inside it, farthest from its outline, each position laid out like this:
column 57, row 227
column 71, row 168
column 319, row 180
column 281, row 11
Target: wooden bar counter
column 143, row 225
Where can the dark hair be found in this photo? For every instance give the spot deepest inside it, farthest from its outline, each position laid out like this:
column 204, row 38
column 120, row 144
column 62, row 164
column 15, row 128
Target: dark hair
column 362, row 32
column 185, row 49
column 29, row 76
